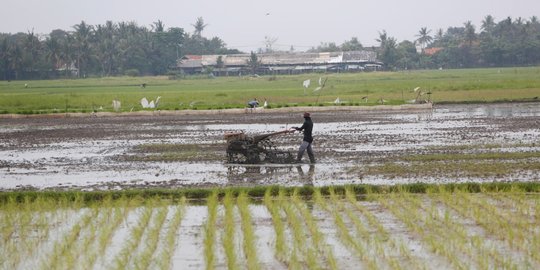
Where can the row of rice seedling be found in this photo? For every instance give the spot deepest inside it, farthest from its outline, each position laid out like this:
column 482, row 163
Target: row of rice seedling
column 433, row 236
column 122, row 261
column 250, row 251
column 210, row 231
column 302, row 250
column 382, row 235
column 280, row 242
column 25, row 226
column 105, row 228
column 169, row 238
column 229, row 227
column 319, row 243
column 357, row 244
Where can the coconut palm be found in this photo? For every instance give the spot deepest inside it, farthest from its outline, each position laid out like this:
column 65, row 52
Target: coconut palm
column 199, row 26
column 423, row 37
column 158, row 26
column 488, row 24
column 470, row 35
column 383, row 38
column 53, row 50
column 83, row 35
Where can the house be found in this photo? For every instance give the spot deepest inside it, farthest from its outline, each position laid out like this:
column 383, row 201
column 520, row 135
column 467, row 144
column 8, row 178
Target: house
column 432, row 51
column 281, row 63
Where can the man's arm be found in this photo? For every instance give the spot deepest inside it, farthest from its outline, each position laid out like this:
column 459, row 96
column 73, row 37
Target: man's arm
column 301, row 128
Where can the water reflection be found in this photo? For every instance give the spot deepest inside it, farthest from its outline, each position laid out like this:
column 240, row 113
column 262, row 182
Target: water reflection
column 270, row 174
column 246, row 172
column 307, row 178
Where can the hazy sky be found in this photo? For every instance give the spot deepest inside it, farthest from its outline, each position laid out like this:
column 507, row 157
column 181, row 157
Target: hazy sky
column 244, row 24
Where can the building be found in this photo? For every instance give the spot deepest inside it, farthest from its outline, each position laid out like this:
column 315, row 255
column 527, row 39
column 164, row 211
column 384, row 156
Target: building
column 280, row 63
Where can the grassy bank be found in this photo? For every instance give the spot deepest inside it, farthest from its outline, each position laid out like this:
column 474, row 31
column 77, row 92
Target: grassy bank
column 259, row 192
column 96, row 94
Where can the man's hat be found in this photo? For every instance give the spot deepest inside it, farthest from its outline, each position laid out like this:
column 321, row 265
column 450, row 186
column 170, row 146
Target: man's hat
column 306, row 114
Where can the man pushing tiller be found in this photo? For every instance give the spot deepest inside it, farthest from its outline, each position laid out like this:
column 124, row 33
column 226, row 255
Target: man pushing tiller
column 307, row 128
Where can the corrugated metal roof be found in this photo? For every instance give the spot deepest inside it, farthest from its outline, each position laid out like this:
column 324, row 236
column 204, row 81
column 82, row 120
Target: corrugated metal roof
column 282, row 59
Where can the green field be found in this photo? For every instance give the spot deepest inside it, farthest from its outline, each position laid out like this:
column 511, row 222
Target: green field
column 96, row 94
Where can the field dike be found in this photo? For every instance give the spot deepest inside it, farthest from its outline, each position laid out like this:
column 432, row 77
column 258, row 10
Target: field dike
column 226, row 111
column 415, row 226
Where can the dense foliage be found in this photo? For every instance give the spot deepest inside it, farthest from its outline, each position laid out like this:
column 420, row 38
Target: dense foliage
column 128, row 49
column 102, row 50
column 506, row 43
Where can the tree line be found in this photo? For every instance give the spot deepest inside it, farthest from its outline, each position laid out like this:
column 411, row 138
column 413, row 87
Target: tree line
column 126, row 48
column 498, row 44
column 111, row 49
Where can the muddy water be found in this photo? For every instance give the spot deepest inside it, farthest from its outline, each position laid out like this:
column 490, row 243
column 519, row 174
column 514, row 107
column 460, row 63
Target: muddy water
column 86, row 153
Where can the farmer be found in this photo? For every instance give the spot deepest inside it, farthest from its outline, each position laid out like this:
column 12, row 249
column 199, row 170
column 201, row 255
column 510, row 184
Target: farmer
column 307, row 128
column 253, row 103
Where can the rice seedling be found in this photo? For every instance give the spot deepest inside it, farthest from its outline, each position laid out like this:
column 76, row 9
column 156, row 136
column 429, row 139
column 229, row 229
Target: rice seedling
column 210, row 231
column 144, row 258
column 82, row 250
column 423, row 227
column 343, row 230
column 229, row 226
column 164, row 259
column 250, row 250
column 63, row 245
column 279, row 228
column 359, row 244
column 304, row 247
column 113, row 218
column 489, row 255
column 514, row 233
column 122, row 260
column 299, row 244
column 317, row 237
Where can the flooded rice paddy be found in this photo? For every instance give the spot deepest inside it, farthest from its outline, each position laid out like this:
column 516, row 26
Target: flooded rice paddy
column 397, row 230
column 449, row 143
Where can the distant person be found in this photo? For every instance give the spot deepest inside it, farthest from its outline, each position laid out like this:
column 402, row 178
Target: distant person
column 307, row 128
column 253, row 103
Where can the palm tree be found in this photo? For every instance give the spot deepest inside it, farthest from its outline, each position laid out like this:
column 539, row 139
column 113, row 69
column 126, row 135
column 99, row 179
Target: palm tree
column 106, row 46
column 53, row 51
column 383, row 38
column 423, row 37
column 32, row 48
column 83, row 34
column 199, row 26
column 488, row 24
column 470, row 36
column 158, row 26
column 439, row 35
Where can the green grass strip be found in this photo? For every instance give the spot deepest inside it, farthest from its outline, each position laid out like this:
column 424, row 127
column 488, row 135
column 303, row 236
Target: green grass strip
column 87, row 197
